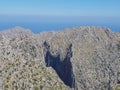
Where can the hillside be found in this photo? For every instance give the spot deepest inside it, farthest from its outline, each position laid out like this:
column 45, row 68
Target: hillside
column 81, row 58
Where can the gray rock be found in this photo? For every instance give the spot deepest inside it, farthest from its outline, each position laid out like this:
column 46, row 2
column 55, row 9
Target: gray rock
column 95, row 56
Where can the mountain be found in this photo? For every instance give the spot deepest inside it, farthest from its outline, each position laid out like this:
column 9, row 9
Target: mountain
column 81, row 58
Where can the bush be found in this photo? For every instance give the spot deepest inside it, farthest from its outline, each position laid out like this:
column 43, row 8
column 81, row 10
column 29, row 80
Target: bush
column 118, row 45
column 36, row 88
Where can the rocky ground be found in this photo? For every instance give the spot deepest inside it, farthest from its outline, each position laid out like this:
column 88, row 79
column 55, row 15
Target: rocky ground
column 81, row 58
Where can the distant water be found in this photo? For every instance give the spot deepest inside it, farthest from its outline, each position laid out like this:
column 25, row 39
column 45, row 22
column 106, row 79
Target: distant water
column 37, row 27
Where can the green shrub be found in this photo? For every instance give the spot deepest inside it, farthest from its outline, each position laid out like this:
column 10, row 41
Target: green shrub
column 117, row 87
column 41, row 87
column 6, row 86
column 36, row 88
column 118, row 45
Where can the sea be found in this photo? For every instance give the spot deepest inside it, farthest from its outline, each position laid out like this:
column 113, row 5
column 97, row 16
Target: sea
column 37, row 27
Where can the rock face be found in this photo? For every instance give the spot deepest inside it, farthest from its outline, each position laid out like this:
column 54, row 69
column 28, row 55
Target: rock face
column 82, row 58
column 22, row 64
column 63, row 67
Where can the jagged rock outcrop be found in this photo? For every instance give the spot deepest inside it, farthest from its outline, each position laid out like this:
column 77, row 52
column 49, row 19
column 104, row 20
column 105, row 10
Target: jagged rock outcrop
column 21, row 64
column 84, row 58
column 63, row 67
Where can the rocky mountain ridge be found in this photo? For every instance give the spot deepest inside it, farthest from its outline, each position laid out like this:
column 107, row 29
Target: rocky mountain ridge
column 81, row 58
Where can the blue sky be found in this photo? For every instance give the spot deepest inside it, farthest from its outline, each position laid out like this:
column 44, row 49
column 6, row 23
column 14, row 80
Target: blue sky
column 103, row 8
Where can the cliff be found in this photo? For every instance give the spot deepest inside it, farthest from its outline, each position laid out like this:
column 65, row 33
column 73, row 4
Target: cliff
column 81, row 58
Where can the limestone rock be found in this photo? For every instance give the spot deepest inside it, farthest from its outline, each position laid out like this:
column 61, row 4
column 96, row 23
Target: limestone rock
column 93, row 60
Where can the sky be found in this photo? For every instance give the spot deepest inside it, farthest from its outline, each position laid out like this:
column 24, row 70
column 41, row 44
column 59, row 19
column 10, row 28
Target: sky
column 105, row 8
column 93, row 11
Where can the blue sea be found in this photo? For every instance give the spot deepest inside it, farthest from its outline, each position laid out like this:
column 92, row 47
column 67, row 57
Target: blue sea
column 37, row 25
column 40, row 27
column 47, row 23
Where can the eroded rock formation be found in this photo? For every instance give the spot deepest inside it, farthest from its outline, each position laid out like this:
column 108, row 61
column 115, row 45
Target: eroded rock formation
column 82, row 58
column 64, row 67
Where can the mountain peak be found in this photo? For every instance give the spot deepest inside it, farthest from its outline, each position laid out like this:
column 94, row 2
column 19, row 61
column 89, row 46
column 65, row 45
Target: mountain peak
column 16, row 31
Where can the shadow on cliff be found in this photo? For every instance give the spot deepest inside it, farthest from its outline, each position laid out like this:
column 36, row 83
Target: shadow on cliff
column 63, row 67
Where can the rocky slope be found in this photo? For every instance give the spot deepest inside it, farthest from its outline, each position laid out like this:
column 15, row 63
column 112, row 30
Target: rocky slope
column 82, row 58
column 22, row 64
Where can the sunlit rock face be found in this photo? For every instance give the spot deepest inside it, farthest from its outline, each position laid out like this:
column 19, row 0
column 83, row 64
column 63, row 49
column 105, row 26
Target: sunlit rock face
column 82, row 58
column 22, row 64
